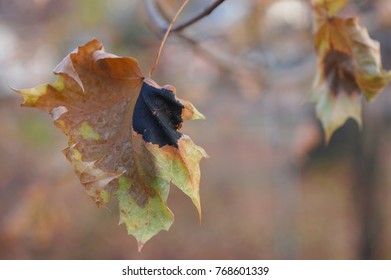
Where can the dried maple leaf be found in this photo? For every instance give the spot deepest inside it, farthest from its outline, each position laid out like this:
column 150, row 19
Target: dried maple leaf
column 123, row 137
column 349, row 66
column 331, row 7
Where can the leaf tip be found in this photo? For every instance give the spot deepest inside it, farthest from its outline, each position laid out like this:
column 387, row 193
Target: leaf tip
column 31, row 95
column 140, row 245
column 327, row 136
column 190, row 112
column 197, row 115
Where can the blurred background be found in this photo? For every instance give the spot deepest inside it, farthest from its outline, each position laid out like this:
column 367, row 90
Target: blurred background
column 271, row 189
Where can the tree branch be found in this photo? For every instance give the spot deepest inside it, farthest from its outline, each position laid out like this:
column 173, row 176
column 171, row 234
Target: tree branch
column 155, row 15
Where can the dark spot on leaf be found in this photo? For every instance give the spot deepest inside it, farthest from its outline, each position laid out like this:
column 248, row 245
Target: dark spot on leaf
column 339, row 73
column 141, row 194
column 157, row 116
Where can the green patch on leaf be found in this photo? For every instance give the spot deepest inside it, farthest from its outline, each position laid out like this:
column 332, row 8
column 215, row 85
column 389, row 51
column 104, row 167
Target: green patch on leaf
column 143, row 222
column 87, row 132
column 32, row 95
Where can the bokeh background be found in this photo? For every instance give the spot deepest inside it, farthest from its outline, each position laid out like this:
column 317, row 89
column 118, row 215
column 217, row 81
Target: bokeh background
column 271, row 188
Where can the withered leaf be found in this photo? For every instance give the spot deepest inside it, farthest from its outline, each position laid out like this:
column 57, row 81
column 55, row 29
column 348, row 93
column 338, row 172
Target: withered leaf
column 330, row 7
column 123, row 137
column 348, row 67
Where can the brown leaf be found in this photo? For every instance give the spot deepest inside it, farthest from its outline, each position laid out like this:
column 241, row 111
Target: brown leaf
column 123, row 137
column 349, row 66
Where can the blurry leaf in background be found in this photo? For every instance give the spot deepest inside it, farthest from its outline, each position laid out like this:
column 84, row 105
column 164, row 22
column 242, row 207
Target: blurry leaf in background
column 349, row 66
column 331, row 7
column 123, row 135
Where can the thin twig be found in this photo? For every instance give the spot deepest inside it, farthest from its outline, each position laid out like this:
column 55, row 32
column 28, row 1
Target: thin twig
column 152, row 10
column 205, row 13
column 165, row 38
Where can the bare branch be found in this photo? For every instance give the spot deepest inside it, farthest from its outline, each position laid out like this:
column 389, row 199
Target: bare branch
column 155, row 15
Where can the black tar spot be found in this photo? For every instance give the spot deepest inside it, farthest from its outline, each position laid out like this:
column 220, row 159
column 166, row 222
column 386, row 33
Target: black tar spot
column 157, row 116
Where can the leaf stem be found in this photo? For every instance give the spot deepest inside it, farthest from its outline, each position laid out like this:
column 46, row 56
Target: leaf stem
column 157, row 57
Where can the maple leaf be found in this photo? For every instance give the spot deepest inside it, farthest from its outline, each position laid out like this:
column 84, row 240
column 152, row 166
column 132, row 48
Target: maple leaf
column 348, row 67
column 123, row 137
column 331, row 7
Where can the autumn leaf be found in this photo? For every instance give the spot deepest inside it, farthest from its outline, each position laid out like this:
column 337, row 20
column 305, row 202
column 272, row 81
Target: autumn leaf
column 348, row 67
column 123, row 137
column 330, row 7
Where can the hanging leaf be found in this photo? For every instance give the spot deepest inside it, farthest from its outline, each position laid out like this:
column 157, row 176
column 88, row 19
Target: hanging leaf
column 331, row 7
column 123, row 137
column 348, row 67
